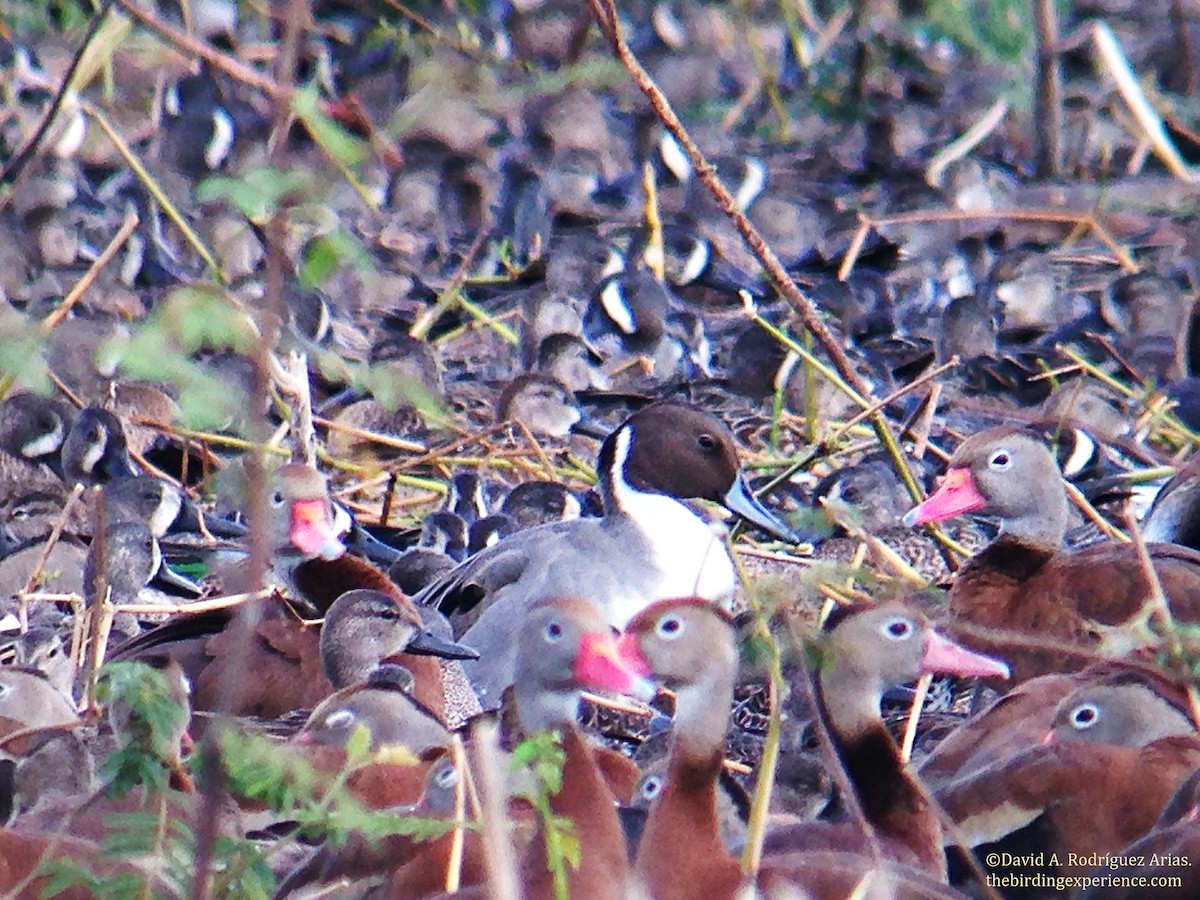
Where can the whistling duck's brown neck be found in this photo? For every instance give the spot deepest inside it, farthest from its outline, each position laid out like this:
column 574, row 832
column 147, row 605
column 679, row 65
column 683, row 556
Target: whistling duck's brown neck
column 702, row 712
column 891, row 800
column 851, row 696
column 683, row 833
column 1044, row 526
column 586, row 802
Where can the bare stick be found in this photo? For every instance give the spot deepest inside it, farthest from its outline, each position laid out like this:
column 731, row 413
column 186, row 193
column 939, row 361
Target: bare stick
column 1047, row 100
column 80, row 288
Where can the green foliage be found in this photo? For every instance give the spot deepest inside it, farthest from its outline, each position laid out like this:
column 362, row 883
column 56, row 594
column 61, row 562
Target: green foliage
column 189, row 320
column 256, row 769
column 327, row 253
column 543, row 755
column 332, row 138
column 45, row 16
column 256, row 193
column 66, row 873
column 21, row 359
column 149, row 723
column 996, row 30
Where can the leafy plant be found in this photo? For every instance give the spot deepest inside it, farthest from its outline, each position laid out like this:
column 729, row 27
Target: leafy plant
column 543, row 755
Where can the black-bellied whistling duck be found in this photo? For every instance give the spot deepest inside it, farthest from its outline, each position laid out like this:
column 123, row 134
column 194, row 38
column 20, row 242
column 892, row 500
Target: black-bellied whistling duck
column 285, row 657
column 1094, row 703
column 689, row 646
column 1146, row 869
column 565, row 646
column 418, row 868
column 1022, row 582
column 1113, row 756
column 1128, row 712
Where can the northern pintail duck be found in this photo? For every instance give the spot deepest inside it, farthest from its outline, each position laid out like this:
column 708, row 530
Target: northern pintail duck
column 648, row 546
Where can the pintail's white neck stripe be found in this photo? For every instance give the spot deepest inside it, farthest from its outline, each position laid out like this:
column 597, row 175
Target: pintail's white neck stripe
column 612, row 298
column 696, row 263
column 1082, row 451
column 95, row 452
column 221, row 141
column 44, row 444
column 690, row 557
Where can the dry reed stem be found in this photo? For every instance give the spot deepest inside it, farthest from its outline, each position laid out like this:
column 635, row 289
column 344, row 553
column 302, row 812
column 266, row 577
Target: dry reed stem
column 374, row 437
column 94, row 270
column 499, row 858
column 966, row 142
column 1117, row 65
column 454, row 864
column 1090, row 513
column 51, row 542
column 199, row 606
column 1162, row 611
column 914, row 716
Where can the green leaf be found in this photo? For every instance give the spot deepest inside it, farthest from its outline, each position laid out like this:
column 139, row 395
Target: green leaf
column 255, row 193
column 331, row 137
column 358, row 745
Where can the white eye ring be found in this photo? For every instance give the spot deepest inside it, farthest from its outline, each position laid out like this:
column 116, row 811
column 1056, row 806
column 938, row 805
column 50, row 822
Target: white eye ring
column 339, row 719
column 898, row 628
column 553, row 633
column 277, row 499
column 652, row 787
column 669, row 627
column 1085, row 715
column 447, row 776
column 1000, row 460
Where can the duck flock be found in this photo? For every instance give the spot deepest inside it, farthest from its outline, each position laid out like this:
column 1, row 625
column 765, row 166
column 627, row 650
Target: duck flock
column 427, row 492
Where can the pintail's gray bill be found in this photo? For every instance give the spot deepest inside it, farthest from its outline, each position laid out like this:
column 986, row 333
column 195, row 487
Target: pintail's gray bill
column 739, row 500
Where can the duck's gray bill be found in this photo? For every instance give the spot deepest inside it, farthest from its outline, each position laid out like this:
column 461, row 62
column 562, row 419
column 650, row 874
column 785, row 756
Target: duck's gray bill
column 739, row 500
column 425, row 644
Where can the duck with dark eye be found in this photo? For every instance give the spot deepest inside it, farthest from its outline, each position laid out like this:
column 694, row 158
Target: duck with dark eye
column 1097, row 597
column 1114, row 755
column 95, row 449
column 688, row 645
column 648, row 545
column 309, row 557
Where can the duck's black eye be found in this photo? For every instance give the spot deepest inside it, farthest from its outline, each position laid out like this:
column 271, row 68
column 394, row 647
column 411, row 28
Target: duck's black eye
column 670, row 627
column 446, row 777
column 652, row 787
column 1000, row 460
column 1085, row 715
column 707, row 443
column 277, row 498
column 553, row 632
column 897, row 628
